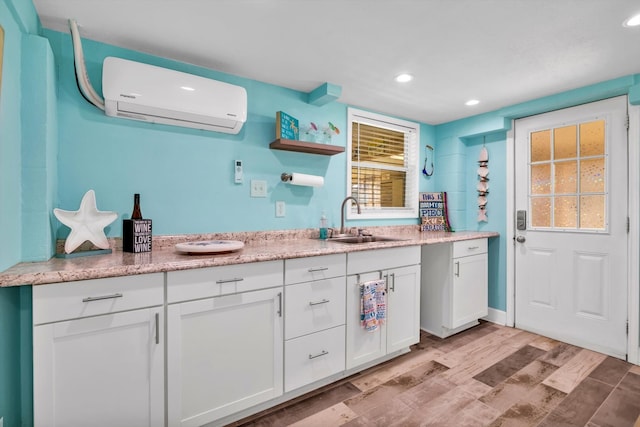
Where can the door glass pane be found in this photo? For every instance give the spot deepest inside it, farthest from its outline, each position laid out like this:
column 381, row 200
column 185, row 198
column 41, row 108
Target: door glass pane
column 592, row 212
column 568, row 164
column 565, row 177
column 541, row 146
column 541, row 179
column 592, row 175
column 564, row 142
column 541, row 212
column 592, row 138
column 565, row 212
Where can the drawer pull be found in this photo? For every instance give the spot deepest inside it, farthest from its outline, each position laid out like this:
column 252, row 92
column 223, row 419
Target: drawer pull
column 324, row 301
column 314, row 270
column 473, row 248
column 322, row 353
column 457, row 268
column 89, row 299
column 279, row 304
column 236, row 279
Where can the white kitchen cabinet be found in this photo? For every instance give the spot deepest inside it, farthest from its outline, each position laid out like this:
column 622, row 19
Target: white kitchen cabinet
column 401, row 328
column 314, row 319
column 454, row 287
column 105, row 369
column 225, row 353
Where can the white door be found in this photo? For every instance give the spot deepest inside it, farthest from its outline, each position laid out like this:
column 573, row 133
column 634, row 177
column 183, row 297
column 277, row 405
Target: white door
column 571, row 225
column 100, row 371
column 224, row 355
column 403, row 324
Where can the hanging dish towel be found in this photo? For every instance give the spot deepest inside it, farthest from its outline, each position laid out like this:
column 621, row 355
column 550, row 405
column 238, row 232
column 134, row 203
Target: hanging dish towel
column 373, row 304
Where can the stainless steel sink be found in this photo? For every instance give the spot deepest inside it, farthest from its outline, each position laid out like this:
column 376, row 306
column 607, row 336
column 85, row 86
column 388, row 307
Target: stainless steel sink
column 362, row 239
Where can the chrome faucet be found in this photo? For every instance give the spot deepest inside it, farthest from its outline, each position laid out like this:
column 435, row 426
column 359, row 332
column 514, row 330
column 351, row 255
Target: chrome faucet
column 342, row 211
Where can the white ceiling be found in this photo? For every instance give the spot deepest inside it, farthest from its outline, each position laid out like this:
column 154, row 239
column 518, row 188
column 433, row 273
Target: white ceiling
column 501, row 52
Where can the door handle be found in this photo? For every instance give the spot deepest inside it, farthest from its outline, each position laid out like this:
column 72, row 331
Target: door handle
column 520, row 239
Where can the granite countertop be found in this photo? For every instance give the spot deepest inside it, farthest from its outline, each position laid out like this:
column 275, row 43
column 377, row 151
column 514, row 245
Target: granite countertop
column 259, row 246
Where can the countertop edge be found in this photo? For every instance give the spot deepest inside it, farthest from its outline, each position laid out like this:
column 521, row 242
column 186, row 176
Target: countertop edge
column 166, row 259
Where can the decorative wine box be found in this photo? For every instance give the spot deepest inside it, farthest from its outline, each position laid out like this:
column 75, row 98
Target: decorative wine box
column 136, row 235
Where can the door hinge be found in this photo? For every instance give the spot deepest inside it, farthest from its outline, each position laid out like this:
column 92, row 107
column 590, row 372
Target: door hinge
column 627, row 122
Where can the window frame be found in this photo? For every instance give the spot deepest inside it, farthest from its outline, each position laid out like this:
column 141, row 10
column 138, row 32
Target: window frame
column 410, row 209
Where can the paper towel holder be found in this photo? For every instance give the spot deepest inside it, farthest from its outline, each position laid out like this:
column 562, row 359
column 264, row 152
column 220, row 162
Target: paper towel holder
column 302, row 179
column 286, row 177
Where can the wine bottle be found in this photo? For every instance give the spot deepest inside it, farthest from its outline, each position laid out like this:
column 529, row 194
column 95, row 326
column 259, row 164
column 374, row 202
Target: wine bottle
column 136, row 214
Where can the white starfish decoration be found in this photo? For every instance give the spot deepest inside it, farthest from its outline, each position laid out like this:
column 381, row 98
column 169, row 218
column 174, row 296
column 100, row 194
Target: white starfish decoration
column 87, row 223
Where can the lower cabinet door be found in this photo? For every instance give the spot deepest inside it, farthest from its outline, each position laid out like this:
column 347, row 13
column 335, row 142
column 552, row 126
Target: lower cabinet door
column 469, row 291
column 224, row 354
column 100, row 371
column 313, row 357
column 403, row 324
column 362, row 346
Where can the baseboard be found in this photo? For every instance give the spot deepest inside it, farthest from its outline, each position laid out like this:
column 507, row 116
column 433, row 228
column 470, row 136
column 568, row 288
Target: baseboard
column 496, row 316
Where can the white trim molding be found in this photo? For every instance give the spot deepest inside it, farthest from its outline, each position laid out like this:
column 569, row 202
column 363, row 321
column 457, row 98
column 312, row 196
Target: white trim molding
column 496, row 316
column 633, row 316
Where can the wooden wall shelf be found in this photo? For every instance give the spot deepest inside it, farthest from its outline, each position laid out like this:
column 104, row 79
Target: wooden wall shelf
column 306, row 147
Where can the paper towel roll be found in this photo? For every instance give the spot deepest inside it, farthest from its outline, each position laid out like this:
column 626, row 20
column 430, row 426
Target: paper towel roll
column 303, row 179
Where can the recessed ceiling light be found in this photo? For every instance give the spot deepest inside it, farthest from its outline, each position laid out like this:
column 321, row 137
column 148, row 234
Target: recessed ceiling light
column 188, row 88
column 634, row 21
column 472, row 102
column 404, row 78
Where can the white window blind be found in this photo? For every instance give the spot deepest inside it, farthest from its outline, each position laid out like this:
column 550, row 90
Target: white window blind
column 382, row 165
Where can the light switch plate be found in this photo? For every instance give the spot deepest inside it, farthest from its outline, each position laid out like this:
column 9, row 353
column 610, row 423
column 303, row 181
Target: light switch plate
column 258, row 188
column 280, row 209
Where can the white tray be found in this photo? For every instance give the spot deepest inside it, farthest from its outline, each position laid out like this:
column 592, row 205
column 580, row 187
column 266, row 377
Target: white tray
column 209, row 246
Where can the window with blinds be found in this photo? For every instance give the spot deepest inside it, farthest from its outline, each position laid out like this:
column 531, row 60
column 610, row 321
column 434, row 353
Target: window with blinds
column 382, row 165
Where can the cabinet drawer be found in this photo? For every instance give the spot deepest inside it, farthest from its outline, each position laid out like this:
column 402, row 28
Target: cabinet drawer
column 299, row 270
column 229, row 279
column 71, row 300
column 469, row 247
column 314, row 306
column 382, row 259
column 313, row 357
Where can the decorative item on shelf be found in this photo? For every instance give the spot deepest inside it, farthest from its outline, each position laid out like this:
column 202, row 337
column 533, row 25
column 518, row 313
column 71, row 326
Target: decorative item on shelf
column 309, row 133
column 328, row 132
column 434, row 215
column 483, row 184
column 87, row 224
column 302, row 179
column 136, row 232
column 426, row 172
column 286, row 126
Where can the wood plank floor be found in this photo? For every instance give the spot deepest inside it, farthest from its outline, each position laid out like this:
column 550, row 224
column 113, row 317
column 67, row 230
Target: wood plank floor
column 489, row 375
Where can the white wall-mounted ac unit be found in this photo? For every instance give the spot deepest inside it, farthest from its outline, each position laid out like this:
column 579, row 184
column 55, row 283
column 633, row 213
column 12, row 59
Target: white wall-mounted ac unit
column 153, row 94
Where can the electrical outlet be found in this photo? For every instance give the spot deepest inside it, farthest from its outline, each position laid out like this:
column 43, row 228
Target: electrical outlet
column 280, row 209
column 258, row 188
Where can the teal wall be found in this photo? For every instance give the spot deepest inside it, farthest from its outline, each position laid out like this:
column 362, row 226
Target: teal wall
column 19, row 21
column 185, row 176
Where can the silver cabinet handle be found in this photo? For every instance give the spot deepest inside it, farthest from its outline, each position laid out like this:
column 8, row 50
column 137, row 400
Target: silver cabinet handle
column 322, row 353
column 393, row 282
column 157, row 328
column 472, row 248
column 89, row 299
column 280, row 304
column 324, row 301
column 313, row 270
column 236, row 279
column 457, row 268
